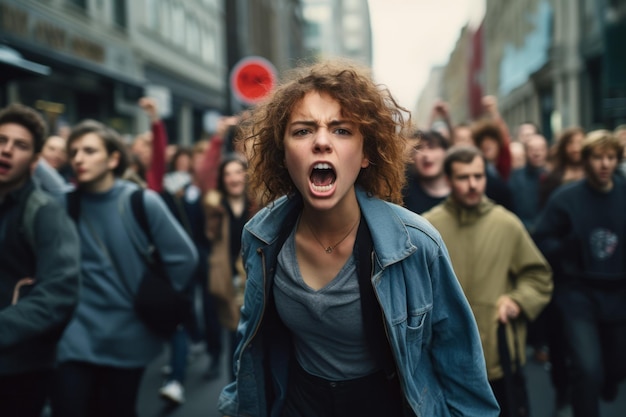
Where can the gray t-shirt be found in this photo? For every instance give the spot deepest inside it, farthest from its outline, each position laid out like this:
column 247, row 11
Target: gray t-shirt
column 326, row 324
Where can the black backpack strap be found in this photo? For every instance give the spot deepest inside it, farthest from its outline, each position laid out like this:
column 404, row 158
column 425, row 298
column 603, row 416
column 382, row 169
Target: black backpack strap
column 73, row 205
column 139, row 212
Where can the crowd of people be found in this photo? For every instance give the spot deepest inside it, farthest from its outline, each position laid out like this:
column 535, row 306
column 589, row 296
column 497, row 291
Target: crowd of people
column 344, row 262
column 73, row 259
column 542, row 226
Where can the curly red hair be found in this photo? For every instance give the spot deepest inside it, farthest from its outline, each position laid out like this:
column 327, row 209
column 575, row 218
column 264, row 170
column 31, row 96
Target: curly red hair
column 382, row 122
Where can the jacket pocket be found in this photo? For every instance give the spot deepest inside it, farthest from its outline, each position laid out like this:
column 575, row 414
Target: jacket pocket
column 415, row 326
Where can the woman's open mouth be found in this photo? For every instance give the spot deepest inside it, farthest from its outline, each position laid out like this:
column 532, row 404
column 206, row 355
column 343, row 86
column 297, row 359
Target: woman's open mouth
column 322, row 177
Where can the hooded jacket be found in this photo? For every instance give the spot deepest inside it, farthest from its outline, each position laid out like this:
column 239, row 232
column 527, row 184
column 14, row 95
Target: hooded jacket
column 493, row 255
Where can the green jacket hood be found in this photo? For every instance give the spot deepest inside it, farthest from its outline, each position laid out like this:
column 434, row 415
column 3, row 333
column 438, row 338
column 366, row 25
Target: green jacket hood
column 468, row 216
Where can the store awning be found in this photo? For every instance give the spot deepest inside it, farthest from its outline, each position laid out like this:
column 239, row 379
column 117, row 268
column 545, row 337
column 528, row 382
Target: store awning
column 12, row 65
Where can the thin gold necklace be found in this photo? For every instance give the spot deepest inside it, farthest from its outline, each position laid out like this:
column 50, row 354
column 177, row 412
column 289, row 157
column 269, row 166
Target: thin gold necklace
column 329, row 249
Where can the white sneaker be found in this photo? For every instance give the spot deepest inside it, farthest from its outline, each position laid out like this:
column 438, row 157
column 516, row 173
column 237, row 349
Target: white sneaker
column 173, row 391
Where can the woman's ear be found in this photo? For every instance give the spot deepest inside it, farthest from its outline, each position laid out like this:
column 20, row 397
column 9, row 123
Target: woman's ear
column 365, row 162
column 114, row 160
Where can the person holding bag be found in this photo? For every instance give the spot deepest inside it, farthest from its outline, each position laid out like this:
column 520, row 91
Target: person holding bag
column 107, row 346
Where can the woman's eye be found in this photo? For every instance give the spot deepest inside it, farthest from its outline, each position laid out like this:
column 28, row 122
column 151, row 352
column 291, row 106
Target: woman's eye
column 342, row 131
column 300, row 132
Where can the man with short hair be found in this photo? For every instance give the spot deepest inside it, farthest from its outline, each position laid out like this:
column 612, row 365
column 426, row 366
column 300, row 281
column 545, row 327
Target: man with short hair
column 504, row 276
column 39, row 268
column 107, row 345
column 582, row 231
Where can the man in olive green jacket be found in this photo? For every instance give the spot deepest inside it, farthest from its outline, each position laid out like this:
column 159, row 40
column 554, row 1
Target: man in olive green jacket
column 504, row 276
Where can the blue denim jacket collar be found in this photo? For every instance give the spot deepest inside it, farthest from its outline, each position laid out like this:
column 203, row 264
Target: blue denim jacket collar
column 391, row 238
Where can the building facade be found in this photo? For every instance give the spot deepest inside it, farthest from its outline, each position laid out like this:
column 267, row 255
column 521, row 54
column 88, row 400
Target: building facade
column 455, row 78
column 431, row 93
column 556, row 63
column 101, row 56
column 337, row 28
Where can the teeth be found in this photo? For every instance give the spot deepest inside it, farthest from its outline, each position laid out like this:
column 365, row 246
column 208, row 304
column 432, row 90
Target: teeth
column 322, row 188
column 322, row 165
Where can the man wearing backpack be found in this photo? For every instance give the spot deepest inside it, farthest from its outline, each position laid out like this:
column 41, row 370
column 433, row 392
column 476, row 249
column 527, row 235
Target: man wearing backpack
column 108, row 344
column 39, row 268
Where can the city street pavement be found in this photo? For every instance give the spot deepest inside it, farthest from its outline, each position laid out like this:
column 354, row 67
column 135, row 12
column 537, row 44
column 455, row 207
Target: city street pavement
column 201, row 394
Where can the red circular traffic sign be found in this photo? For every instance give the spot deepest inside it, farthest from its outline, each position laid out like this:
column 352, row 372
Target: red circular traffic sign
column 252, row 79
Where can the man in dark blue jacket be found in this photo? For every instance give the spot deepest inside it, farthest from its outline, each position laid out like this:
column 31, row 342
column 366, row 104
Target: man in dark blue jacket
column 582, row 232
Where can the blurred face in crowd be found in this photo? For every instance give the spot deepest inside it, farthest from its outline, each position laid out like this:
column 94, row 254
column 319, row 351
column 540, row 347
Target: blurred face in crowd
column 429, row 160
column 462, row 135
column 518, row 155
column 182, row 163
column 468, row 182
column 490, row 148
column 234, row 179
column 536, row 151
column 17, row 156
column 600, row 166
column 54, row 152
column 573, row 148
column 525, row 131
column 91, row 163
column 142, row 147
column 170, row 151
column 197, row 159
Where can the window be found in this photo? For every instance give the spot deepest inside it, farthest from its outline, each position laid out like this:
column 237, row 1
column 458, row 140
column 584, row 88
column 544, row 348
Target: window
column 193, row 36
column 178, row 24
column 152, row 14
column 119, row 13
column 82, row 4
column 209, row 47
column 166, row 19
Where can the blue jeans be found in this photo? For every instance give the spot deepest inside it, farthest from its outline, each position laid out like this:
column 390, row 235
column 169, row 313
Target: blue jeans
column 204, row 325
column 595, row 335
column 178, row 356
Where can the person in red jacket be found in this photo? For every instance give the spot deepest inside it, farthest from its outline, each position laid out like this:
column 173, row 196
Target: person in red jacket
column 492, row 137
column 150, row 146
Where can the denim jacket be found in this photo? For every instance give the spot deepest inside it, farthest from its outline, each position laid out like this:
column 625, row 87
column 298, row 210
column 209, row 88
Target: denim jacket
column 429, row 324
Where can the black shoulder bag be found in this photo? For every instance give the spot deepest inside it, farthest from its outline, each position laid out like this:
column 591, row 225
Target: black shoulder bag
column 161, row 308
column 157, row 303
column 517, row 403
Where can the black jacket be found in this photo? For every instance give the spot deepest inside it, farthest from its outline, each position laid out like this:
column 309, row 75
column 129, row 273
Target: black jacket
column 31, row 328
